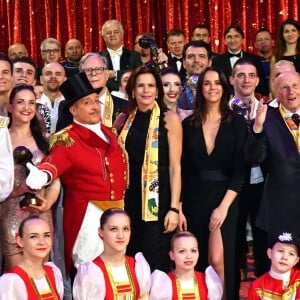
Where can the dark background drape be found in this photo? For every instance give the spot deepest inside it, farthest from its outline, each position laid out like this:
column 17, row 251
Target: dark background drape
column 30, row 21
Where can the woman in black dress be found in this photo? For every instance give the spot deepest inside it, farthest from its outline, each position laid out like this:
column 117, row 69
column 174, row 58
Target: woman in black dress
column 152, row 137
column 288, row 43
column 212, row 174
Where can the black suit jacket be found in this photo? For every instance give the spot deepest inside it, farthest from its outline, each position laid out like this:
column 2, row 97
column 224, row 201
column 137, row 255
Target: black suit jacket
column 129, row 61
column 182, row 72
column 279, row 209
column 222, row 62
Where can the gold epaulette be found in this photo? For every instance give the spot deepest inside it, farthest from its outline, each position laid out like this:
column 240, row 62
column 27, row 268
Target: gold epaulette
column 62, row 138
column 4, row 121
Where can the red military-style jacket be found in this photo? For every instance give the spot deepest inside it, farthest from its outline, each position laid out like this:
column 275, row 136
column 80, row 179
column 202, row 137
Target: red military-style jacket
column 90, row 170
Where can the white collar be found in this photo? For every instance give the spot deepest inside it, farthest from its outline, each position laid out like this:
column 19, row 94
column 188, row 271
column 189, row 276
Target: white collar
column 289, row 113
column 114, row 51
column 284, row 277
column 96, row 128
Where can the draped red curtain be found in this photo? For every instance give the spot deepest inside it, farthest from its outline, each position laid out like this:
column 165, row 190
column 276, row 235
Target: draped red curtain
column 31, row 21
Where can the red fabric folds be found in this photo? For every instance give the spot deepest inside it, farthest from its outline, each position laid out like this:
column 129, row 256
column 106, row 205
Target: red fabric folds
column 30, row 21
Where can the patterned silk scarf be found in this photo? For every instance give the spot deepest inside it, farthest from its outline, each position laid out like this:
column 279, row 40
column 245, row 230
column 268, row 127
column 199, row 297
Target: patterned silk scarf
column 150, row 181
column 294, row 130
column 108, row 110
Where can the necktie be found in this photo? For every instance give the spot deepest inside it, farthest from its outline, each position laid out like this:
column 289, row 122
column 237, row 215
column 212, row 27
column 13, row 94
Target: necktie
column 296, row 119
column 235, row 54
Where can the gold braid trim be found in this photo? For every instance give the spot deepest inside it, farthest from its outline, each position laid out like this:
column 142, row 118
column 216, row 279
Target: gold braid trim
column 4, row 121
column 62, row 138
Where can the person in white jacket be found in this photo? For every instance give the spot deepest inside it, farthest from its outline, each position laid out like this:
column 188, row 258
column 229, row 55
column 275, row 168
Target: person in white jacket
column 6, row 160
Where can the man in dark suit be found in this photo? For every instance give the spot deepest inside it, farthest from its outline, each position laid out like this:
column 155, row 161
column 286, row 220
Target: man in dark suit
column 176, row 41
column 118, row 58
column 234, row 37
column 275, row 141
column 95, row 68
column 201, row 32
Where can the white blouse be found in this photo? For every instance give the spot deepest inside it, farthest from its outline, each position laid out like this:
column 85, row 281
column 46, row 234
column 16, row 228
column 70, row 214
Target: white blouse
column 12, row 286
column 89, row 283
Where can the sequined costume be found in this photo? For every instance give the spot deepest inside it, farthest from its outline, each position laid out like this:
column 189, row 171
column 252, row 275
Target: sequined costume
column 11, row 214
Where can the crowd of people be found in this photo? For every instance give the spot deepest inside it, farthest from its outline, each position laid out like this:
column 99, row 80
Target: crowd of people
column 132, row 174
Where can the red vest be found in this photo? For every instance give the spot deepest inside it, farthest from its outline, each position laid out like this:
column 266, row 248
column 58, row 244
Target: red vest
column 31, row 292
column 200, row 277
column 109, row 290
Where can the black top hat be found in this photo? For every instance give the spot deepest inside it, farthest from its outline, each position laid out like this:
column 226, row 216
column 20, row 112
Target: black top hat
column 77, row 87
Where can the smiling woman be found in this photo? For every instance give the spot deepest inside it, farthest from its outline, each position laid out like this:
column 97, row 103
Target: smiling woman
column 152, row 138
column 288, row 43
column 25, row 130
column 31, row 278
column 212, row 175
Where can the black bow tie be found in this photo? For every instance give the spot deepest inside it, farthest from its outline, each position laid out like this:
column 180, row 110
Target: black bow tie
column 296, row 119
column 235, row 54
column 175, row 59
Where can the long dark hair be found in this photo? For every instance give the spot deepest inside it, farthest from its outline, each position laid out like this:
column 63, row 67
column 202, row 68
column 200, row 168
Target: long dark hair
column 280, row 47
column 200, row 108
column 132, row 82
column 37, row 129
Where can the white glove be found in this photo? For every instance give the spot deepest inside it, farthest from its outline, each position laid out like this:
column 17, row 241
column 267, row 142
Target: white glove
column 36, row 178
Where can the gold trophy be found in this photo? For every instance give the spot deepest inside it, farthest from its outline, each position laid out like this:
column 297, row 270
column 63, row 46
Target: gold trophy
column 22, row 156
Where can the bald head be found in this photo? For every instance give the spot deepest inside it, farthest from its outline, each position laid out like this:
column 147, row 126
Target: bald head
column 17, row 50
column 287, row 90
column 282, row 66
column 73, row 50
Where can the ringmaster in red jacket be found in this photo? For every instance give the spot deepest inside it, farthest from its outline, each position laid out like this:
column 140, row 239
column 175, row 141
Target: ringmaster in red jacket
column 92, row 167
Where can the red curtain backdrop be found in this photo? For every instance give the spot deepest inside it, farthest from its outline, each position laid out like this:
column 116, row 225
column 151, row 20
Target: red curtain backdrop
column 31, row 21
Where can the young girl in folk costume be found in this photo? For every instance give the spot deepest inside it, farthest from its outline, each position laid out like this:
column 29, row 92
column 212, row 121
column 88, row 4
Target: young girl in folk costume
column 32, row 279
column 184, row 282
column 113, row 275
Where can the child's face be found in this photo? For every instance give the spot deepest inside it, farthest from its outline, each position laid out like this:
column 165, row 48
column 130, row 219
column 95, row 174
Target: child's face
column 283, row 257
column 185, row 253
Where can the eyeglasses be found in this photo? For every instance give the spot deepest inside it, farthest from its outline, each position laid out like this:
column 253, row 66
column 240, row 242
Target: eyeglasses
column 49, row 51
column 97, row 70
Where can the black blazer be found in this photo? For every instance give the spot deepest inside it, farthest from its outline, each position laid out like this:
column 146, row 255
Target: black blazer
column 279, row 209
column 222, row 62
column 129, row 61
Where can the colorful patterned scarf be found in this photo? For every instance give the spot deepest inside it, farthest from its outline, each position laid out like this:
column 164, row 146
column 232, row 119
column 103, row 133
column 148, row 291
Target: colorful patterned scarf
column 294, row 130
column 149, row 178
column 108, row 110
